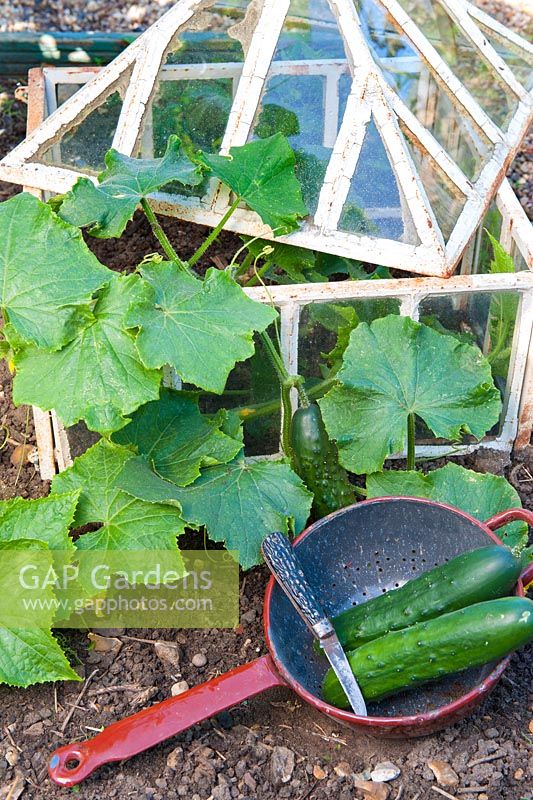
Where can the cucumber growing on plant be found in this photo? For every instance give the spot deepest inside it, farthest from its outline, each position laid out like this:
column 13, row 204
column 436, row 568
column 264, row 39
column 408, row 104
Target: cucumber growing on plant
column 483, row 574
column 315, row 459
column 453, row 642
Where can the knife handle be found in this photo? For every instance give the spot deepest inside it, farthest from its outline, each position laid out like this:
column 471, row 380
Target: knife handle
column 282, row 561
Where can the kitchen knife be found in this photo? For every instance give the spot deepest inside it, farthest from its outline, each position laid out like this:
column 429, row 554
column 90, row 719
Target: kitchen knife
column 283, row 563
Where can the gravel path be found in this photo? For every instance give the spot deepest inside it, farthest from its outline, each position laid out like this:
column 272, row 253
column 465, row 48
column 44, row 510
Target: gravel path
column 78, row 15
column 101, row 15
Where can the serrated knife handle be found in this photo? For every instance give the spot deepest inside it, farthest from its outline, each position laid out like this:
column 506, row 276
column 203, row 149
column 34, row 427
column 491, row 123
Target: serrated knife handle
column 282, row 562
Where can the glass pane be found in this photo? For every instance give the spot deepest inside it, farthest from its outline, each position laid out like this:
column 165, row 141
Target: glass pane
column 195, row 87
column 460, row 137
column 520, row 263
column 253, row 384
column 481, row 80
column 325, row 329
column 445, row 199
column 64, row 91
column 296, row 96
column 375, row 204
column 486, row 319
column 492, row 222
column 84, row 146
column 423, row 95
column 517, row 59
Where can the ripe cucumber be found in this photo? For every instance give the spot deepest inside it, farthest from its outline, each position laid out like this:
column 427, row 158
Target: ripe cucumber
column 466, row 638
column 483, row 574
column 316, row 460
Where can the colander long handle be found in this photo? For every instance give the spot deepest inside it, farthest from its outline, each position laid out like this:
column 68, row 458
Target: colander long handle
column 72, row 763
column 512, row 515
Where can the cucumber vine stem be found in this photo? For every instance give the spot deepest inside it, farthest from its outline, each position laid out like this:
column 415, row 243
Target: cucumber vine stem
column 253, row 411
column 258, row 274
column 411, row 441
column 244, row 265
column 286, row 382
column 291, row 381
column 286, row 418
column 214, row 233
column 161, row 235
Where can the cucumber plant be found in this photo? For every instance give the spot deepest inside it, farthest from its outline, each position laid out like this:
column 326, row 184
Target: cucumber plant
column 94, row 345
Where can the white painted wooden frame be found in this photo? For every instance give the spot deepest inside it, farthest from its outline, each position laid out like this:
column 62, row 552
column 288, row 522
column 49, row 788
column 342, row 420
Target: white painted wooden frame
column 135, row 72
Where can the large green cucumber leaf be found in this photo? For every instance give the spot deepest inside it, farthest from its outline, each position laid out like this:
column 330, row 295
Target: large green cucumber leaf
column 239, row 503
column 262, row 174
column 110, row 205
column 47, row 519
column 127, row 522
column 26, row 543
column 21, row 605
column 480, row 494
column 47, row 273
column 394, row 367
column 201, row 328
column 138, row 479
column 98, row 376
column 32, row 655
column 177, row 439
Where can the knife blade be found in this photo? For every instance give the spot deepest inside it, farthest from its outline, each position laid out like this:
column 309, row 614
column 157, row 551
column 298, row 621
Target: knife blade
column 284, row 565
column 340, row 664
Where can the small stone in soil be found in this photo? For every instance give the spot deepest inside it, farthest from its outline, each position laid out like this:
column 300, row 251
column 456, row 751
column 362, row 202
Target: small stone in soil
column 104, row 644
column 199, row 660
column 250, row 781
column 281, row 765
column 492, row 733
column 444, row 773
column 174, row 758
column 168, row 653
column 179, row 688
column 318, row 773
column 384, row 771
column 142, row 698
column 371, row 790
column 343, row 769
column 37, row 729
column 22, row 454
